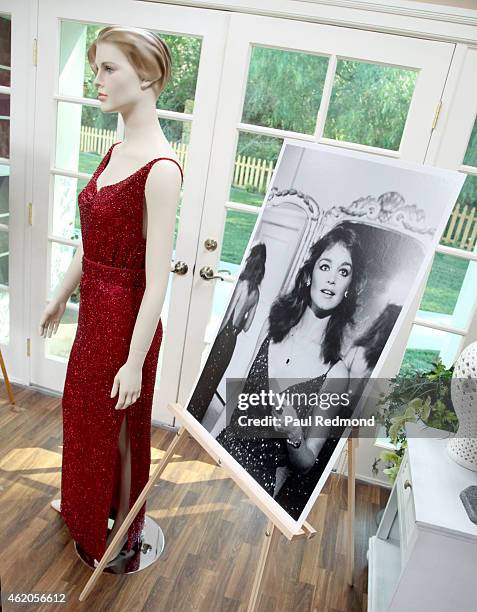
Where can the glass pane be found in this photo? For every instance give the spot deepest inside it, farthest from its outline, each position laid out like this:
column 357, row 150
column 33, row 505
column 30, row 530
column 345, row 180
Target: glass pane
column 284, row 89
column 238, row 229
column 179, row 93
column 4, row 315
column 4, row 76
column 84, row 135
column 66, row 219
column 461, row 229
column 369, row 104
column 425, row 345
column 76, row 77
column 4, row 125
column 60, row 343
column 61, row 256
column 255, row 160
column 5, row 106
column 450, row 291
column 4, row 194
column 178, row 135
column 4, row 256
column 5, row 49
column 470, row 158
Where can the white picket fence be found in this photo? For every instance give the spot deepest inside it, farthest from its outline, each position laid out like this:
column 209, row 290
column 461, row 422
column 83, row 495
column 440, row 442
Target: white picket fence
column 249, row 172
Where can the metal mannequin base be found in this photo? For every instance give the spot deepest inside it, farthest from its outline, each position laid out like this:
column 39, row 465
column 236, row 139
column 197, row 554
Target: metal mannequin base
column 146, row 552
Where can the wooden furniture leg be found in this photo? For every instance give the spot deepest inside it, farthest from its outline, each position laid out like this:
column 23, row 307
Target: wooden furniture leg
column 7, row 380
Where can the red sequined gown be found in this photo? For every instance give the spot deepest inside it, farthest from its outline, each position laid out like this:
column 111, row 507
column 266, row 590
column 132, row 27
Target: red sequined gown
column 111, row 289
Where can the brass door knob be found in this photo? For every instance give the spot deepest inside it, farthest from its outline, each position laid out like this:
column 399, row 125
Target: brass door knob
column 210, row 244
column 180, row 267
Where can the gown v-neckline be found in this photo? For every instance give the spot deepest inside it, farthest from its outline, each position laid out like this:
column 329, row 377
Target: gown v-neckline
column 307, row 381
column 106, row 160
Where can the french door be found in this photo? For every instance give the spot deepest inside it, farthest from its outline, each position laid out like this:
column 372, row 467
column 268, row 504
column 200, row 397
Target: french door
column 239, row 76
column 72, row 135
column 347, row 88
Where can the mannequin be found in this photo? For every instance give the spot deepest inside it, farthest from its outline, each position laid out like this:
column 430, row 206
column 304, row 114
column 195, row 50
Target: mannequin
column 132, row 67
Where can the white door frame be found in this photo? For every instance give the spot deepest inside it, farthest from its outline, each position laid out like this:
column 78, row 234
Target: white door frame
column 404, row 17
column 448, row 147
column 22, row 96
column 209, row 25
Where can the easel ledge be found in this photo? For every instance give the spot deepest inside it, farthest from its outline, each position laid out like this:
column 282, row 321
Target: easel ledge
column 306, row 532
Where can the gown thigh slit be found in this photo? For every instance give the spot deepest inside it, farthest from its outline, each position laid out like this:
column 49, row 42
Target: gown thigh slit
column 112, row 286
column 119, row 481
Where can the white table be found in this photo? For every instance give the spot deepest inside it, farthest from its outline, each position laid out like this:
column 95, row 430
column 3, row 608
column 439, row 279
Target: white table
column 424, row 555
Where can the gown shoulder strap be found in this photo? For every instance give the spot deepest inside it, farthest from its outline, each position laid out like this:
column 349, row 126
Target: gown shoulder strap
column 100, row 167
column 153, row 161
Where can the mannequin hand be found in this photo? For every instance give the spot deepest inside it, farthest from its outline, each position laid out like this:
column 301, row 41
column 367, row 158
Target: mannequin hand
column 51, row 318
column 128, row 380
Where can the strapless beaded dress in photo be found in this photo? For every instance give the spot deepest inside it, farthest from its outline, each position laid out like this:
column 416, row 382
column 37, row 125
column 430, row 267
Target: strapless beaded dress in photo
column 112, row 285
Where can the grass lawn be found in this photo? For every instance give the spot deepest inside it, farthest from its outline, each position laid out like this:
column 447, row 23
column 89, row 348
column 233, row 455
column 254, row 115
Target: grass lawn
column 445, row 280
column 416, row 360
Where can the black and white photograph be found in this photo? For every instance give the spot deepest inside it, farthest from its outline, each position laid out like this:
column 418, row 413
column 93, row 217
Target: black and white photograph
column 330, row 271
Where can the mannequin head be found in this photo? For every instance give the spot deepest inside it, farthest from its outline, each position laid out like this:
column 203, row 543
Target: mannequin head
column 130, row 64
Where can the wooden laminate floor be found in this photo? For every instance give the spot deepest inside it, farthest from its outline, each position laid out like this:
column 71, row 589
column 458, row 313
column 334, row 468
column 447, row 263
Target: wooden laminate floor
column 213, row 532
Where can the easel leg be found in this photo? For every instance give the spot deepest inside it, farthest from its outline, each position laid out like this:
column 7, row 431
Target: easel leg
column 7, row 380
column 351, row 510
column 261, row 567
column 131, row 516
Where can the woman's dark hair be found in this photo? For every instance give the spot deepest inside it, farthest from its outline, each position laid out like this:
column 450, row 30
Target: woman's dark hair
column 375, row 337
column 288, row 309
column 254, row 269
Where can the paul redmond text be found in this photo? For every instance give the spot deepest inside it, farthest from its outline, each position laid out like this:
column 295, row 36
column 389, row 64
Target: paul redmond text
column 317, row 420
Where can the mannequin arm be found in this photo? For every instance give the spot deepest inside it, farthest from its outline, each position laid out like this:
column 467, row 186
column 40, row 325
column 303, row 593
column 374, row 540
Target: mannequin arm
column 54, row 310
column 162, row 193
column 71, row 278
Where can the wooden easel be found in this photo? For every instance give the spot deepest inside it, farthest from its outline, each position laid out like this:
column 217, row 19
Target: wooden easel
column 307, row 530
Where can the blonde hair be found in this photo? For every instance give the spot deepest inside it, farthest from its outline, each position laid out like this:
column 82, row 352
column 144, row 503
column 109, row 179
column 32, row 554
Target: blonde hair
column 145, row 50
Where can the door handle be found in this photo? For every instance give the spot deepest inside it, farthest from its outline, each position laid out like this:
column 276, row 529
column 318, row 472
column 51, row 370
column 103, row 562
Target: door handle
column 207, row 273
column 180, row 267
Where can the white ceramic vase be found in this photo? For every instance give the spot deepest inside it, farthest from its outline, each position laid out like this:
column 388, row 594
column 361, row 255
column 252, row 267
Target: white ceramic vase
column 463, row 446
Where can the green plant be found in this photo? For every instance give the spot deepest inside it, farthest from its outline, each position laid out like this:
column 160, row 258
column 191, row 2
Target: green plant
column 415, row 396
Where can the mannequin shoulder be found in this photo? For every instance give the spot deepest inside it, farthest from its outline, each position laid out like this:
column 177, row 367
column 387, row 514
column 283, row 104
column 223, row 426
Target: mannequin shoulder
column 164, row 177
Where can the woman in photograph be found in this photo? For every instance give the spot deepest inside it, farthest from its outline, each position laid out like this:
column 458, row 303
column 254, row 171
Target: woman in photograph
column 238, row 317
column 366, row 350
column 303, row 337
column 364, row 354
